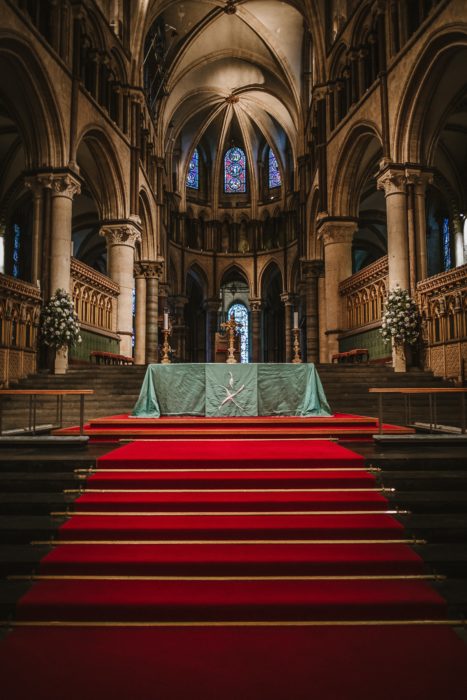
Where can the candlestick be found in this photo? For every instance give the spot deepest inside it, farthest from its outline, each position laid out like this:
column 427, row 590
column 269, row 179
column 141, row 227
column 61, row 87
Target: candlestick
column 296, row 346
column 166, row 349
column 166, row 320
column 295, row 320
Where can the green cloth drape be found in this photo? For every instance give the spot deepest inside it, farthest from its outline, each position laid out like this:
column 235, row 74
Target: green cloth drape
column 231, row 390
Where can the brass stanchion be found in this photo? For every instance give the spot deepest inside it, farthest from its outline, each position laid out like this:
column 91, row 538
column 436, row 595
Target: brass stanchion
column 296, row 346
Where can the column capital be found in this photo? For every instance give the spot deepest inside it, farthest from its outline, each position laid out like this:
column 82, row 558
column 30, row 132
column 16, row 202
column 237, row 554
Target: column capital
column 121, row 233
column 337, row 230
column 312, row 268
column 287, row 298
column 152, row 268
column 61, row 183
column 255, row 305
column 419, row 177
column 392, row 179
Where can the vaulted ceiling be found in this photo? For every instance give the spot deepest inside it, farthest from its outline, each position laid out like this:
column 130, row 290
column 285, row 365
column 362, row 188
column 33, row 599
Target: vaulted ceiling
column 233, row 72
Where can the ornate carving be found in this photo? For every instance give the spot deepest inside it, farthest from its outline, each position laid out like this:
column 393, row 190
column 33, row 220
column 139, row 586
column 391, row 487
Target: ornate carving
column 337, row 231
column 392, row 181
column 152, row 268
column 83, row 273
column 126, row 233
column 312, row 268
column 61, row 184
column 375, row 272
column 255, row 305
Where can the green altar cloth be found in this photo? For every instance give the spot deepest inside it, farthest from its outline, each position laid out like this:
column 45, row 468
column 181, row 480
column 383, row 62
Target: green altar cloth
column 231, row 390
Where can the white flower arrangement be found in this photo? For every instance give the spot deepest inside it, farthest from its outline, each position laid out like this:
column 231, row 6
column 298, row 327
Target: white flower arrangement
column 401, row 322
column 59, row 322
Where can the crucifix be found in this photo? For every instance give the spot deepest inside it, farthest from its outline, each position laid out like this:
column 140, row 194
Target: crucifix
column 231, row 328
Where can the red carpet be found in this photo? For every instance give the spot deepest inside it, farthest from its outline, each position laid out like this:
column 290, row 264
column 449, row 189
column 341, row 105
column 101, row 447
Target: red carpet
column 224, row 532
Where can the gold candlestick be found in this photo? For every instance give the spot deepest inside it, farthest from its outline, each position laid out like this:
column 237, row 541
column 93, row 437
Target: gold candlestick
column 166, row 349
column 296, row 346
column 231, row 327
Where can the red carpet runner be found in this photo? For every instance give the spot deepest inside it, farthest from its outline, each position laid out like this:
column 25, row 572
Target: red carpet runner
column 230, row 570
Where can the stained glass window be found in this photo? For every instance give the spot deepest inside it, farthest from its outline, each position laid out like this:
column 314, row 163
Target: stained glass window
column 240, row 313
column 447, row 260
column 235, row 171
column 16, row 249
column 192, row 179
column 274, row 172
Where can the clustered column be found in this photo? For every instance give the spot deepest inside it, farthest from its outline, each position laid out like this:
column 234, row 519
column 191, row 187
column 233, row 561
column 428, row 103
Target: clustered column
column 255, row 307
column 337, row 236
column 121, row 239
column 287, row 300
column 152, row 272
column 311, row 272
column 140, row 320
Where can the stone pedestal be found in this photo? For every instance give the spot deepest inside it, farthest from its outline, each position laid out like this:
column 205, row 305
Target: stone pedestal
column 121, row 238
column 337, row 236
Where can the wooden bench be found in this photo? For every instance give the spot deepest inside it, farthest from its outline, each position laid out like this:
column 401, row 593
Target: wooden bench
column 351, row 356
column 431, row 392
column 110, row 358
column 59, row 393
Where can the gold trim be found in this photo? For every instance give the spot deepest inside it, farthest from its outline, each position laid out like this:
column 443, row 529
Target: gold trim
column 234, row 623
column 75, row 577
column 223, row 542
column 240, row 470
column 277, row 490
column 224, row 513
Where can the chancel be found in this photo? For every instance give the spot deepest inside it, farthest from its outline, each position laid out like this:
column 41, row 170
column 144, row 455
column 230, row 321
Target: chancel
column 233, row 349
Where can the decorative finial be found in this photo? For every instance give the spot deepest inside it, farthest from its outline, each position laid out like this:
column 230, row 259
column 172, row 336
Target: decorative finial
column 230, row 8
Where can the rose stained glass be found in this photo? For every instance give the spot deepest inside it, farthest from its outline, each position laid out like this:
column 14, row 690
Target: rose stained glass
column 274, row 172
column 192, row 179
column 235, row 171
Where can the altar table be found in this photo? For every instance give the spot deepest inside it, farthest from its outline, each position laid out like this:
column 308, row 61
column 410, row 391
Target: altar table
column 222, row 390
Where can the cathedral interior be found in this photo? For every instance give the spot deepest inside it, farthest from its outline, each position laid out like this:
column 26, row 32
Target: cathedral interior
column 285, row 164
column 261, row 157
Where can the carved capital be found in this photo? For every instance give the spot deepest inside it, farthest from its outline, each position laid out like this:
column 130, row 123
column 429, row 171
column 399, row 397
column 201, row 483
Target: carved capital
column 255, row 305
column 312, row 268
column 419, row 178
column 392, row 181
column 122, row 233
column 332, row 231
column 152, row 269
column 287, row 298
column 61, row 184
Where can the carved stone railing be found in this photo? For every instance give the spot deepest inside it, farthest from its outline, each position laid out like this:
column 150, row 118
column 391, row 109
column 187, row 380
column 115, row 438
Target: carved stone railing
column 363, row 295
column 442, row 300
column 95, row 297
column 20, row 304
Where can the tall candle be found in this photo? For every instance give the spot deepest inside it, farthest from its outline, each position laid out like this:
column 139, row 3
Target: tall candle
column 166, row 320
column 295, row 320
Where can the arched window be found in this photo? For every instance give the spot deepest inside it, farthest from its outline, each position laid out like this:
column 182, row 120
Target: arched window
column 192, row 179
column 274, row 172
column 240, row 313
column 16, row 250
column 235, row 171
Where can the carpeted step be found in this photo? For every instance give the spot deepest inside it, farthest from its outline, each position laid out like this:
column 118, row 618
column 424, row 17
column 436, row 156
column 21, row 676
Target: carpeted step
column 136, row 600
column 230, row 501
column 241, row 454
column 231, row 527
column 209, row 559
column 230, row 479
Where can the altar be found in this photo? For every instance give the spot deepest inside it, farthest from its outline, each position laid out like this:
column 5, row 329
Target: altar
column 229, row 390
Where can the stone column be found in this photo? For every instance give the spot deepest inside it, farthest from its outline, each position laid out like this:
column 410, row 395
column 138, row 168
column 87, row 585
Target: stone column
column 419, row 181
column 311, row 272
column 288, row 301
column 36, row 185
column 140, row 320
column 179, row 328
column 256, row 349
column 211, row 307
column 121, row 238
column 152, row 272
column 63, row 186
column 394, row 181
column 337, row 236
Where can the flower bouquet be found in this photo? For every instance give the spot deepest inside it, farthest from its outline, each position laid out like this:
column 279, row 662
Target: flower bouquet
column 59, row 326
column 401, row 321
